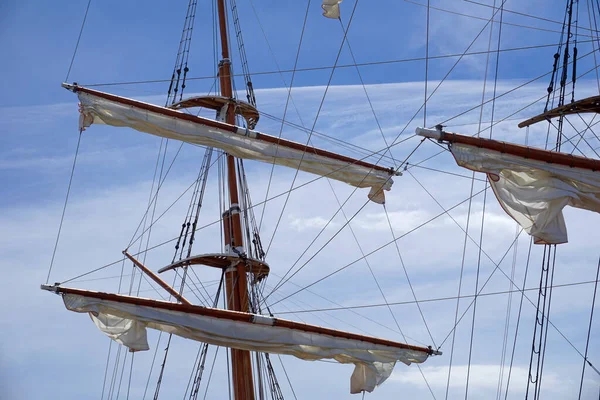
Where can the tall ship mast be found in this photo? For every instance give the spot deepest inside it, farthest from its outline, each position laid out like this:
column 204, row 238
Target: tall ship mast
column 475, row 235
column 241, row 328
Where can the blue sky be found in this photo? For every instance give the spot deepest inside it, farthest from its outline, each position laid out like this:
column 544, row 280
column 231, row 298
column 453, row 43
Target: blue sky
column 49, row 350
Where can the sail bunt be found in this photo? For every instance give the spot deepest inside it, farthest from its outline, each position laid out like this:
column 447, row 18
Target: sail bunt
column 125, row 320
column 331, row 8
column 102, row 108
column 532, row 185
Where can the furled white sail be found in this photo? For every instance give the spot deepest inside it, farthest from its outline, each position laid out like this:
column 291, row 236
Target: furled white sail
column 331, row 8
column 126, row 323
column 534, row 192
column 102, row 108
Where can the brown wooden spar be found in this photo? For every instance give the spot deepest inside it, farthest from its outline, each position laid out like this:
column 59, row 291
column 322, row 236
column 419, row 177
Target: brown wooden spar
column 553, row 157
column 587, row 105
column 157, row 279
column 235, row 277
column 226, row 126
column 234, row 316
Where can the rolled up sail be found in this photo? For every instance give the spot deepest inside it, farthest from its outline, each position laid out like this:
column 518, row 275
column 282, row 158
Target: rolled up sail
column 102, row 108
column 331, row 8
column 125, row 319
column 532, row 185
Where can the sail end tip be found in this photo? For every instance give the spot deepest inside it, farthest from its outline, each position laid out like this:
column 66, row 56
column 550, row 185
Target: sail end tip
column 429, row 133
column 51, row 288
column 70, row 86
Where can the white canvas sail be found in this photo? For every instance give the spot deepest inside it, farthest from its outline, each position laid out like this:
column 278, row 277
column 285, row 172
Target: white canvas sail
column 102, row 108
column 331, row 8
column 534, row 192
column 126, row 323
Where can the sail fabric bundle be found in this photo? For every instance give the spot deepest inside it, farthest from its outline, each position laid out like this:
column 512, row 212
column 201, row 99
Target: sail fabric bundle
column 127, row 323
column 534, row 192
column 331, row 8
column 239, row 142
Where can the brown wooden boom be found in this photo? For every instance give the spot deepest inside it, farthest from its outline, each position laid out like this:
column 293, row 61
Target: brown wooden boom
column 552, row 157
column 226, row 126
column 234, row 316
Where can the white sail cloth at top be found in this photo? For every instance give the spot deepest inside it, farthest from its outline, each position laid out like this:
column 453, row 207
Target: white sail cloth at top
column 331, row 8
column 127, row 323
column 242, row 144
column 534, row 192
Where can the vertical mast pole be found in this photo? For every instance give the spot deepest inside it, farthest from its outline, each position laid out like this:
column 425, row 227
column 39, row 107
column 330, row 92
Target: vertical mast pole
column 235, row 279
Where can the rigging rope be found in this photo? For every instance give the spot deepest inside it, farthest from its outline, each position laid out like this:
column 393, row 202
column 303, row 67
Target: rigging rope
column 314, row 124
column 78, row 40
column 62, row 217
column 468, row 211
column 328, row 67
column 587, row 342
column 493, row 109
column 512, row 356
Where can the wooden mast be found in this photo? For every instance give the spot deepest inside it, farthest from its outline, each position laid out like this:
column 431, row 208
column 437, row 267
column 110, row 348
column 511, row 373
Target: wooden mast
column 235, row 277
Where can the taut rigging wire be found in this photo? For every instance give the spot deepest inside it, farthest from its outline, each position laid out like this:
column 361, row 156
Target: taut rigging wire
column 78, row 40
column 587, row 342
column 327, row 67
column 62, row 217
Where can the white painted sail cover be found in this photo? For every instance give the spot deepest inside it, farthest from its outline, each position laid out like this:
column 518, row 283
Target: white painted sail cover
column 242, row 144
column 331, row 8
column 533, row 192
column 127, row 323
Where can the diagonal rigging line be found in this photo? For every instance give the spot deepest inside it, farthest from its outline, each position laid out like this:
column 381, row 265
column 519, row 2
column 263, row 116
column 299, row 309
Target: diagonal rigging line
column 154, row 199
column 496, row 268
column 464, row 250
column 341, row 307
column 362, row 82
column 593, row 31
column 406, row 274
column 87, row 9
column 589, row 126
column 340, row 208
column 377, row 249
column 446, row 76
column 62, row 218
column 520, row 290
column 431, row 300
column 135, row 239
column 287, row 102
column 285, row 277
column 519, row 87
column 314, row 124
column 405, row 338
column 484, row 19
